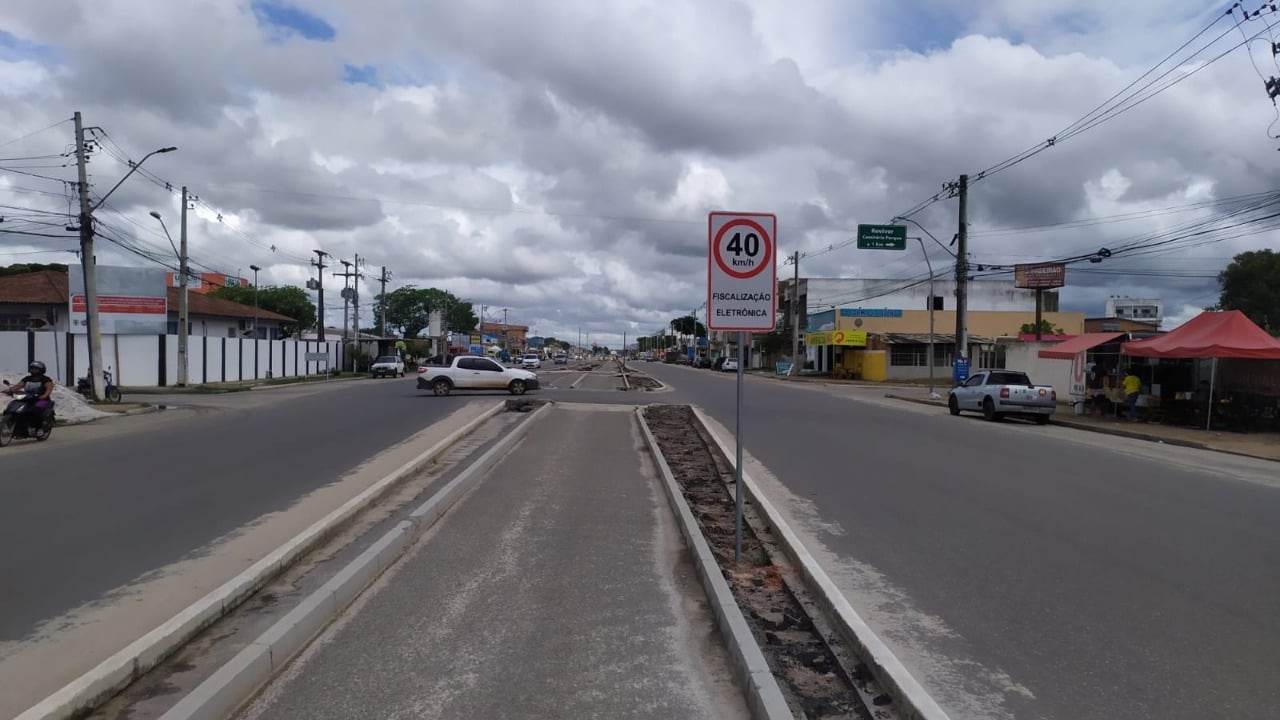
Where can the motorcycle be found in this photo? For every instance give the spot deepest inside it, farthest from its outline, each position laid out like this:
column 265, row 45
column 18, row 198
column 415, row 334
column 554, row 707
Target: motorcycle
column 111, row 391
column 22, row 419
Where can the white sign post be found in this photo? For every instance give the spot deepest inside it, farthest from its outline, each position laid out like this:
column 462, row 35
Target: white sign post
column 742, row 282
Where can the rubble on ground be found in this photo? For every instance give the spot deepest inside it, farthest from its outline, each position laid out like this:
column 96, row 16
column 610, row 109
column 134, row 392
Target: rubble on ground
column 70, row 407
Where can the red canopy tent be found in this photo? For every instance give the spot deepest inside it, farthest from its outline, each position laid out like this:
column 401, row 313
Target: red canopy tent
column 1210, row 335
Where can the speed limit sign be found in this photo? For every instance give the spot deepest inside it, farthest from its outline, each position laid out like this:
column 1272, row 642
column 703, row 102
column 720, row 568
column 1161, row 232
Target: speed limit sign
column 742, row 278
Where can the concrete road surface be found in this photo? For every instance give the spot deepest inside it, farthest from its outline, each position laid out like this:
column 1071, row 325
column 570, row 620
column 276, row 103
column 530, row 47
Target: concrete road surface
column 560, row 588
column 1022, row 571
column 97, row 521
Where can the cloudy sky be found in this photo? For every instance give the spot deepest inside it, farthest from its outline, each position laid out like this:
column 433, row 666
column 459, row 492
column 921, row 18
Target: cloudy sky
column 558, row 157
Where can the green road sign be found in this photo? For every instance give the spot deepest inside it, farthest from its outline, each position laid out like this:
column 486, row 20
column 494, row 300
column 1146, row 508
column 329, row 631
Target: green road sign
column 882, row 237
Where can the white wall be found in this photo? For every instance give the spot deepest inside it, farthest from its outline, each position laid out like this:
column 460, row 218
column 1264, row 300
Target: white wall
column 135, row 361
column 139, row 360
column 1042, row 371
column 51, row 347
column 13, row 353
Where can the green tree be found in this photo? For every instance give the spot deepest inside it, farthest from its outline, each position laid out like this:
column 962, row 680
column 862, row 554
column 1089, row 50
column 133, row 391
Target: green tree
column 1046, row 328
column 288, row 301
column 1251, row 284
column 689, row 325
column 23, row 268
column 409, row 310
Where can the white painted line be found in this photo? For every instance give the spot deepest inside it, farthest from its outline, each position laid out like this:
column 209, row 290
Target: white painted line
column 910, row 697
column 574, row 386
column 763, row 694
column 113, row 674
column 237, row 680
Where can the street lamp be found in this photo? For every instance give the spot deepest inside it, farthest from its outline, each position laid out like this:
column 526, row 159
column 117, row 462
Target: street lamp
column 96, row 382
column 929, row 265
column 132, row 170
column 183, row 319
column 255, row 270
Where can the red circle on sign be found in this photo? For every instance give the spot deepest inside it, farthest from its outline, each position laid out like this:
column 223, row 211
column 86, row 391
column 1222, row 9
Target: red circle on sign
column 764, row 238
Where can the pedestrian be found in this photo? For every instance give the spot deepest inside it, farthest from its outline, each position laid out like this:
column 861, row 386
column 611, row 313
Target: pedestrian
column 1132, row 389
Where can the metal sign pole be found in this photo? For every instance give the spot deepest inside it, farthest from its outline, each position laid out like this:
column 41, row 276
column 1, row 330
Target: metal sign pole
column 737, row 480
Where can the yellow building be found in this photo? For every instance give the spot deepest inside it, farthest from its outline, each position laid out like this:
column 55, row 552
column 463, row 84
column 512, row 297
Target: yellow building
column 892, row 344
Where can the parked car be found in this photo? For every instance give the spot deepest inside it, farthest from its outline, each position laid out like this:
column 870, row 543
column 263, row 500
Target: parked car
column 998, row 393
column 531, row 361
column 730, row 365
column 561, row 359
column 475, row 373
column 387, row 366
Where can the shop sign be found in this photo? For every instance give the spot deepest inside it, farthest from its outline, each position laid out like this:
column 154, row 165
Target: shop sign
column 847, row 338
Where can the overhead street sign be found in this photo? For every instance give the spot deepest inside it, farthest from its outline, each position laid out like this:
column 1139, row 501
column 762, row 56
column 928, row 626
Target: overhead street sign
column 742, row 277
column 882, row 237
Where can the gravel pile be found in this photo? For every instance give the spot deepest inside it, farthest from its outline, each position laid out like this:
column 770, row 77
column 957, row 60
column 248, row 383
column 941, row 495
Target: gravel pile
column 69, row 405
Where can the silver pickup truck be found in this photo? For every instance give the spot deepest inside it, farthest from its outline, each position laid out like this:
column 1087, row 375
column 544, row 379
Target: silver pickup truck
column 997, row 393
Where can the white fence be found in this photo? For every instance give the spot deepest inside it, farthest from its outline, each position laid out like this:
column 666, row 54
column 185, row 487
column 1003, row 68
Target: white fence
column 152, row 360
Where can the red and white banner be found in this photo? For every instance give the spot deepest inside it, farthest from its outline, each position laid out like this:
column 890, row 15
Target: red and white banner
column 131, row 301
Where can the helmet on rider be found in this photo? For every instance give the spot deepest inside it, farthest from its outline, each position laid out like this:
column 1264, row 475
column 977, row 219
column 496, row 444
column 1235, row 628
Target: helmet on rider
column 36, row 368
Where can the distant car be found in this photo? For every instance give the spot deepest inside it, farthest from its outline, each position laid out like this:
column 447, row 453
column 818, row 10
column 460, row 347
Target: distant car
column 387, row 366
column 730, row 365
column 531, row 360
column 997, row 393
column 475, row 373
column 561, row 359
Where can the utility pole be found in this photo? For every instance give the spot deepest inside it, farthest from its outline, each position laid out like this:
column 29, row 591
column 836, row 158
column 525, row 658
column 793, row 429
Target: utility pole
column 505, row 342
column 184, row 320
column 255, row 270
column 962, row 271
column 796, row 364
column 383, row 278
column 320, row 265
column 87, row 263
column 346, row 299
column 355, row 299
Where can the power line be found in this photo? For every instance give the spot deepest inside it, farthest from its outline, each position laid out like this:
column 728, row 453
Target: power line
column 35, row 132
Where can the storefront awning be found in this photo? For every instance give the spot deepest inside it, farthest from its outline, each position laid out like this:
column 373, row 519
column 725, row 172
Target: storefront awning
column 1068, row 349
column 1210, row 335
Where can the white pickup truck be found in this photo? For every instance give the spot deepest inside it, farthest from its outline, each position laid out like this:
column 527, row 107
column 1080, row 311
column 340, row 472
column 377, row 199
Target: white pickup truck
column 475, row 373
column 997, row 393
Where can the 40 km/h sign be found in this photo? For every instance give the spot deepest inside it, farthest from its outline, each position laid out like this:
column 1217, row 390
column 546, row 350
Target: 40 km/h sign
column 742, row 278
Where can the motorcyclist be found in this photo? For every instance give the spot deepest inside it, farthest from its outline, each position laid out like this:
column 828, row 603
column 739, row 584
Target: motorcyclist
column 36, row 379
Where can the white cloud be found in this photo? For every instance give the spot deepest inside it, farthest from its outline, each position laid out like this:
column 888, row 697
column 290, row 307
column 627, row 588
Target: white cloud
column 558, row 157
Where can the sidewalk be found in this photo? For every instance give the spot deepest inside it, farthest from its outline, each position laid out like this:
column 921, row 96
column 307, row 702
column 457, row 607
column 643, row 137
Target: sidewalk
column 1264, row 446
column 559, row 588
column 236, row 385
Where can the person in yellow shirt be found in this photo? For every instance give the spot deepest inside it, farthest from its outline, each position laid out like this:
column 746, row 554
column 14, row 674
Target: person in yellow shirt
column 1132, row 388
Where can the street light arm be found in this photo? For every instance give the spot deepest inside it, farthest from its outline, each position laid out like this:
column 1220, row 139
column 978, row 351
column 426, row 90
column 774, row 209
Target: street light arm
column 166, row 234
column 132, row 170
column 926, row 232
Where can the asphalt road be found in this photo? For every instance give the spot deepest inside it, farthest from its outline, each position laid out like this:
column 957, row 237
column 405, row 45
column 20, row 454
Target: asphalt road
column 552, row 590
column 1030, row 572
column 96, row 507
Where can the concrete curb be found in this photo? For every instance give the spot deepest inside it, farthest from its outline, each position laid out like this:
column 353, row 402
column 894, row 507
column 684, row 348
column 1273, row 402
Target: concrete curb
column 241, row 677
column 1132, row 435
column 113, row 674
column 911, row 700
column 763, row 694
